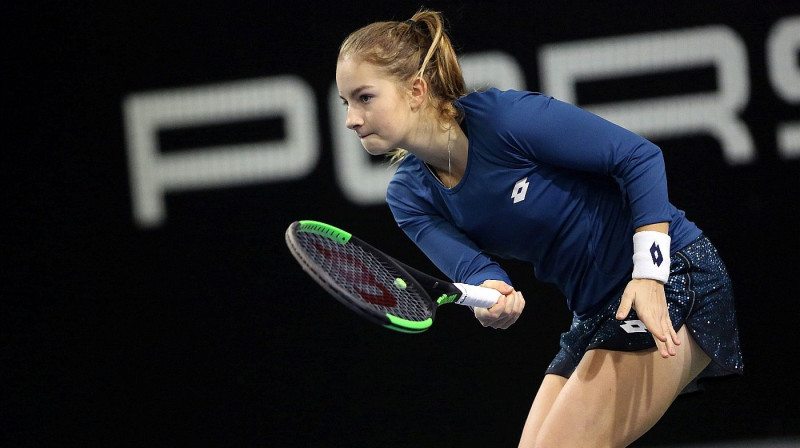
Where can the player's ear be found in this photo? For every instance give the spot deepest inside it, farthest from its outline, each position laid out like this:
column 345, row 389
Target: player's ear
column 418, row 92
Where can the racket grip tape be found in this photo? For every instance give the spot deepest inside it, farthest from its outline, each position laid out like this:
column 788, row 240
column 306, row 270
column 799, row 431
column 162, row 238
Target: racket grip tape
column 477, row 296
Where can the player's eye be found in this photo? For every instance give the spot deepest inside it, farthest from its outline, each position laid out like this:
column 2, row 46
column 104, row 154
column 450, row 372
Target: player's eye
column 365, row 98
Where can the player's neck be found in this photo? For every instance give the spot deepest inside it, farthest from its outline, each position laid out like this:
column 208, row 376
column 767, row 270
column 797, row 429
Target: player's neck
column 446, row 156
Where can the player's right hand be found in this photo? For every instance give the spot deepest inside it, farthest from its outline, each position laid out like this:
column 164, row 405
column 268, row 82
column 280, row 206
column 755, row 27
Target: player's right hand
column 506, row 311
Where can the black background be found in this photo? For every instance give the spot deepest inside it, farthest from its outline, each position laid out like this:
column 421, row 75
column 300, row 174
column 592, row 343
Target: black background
column 203, row 330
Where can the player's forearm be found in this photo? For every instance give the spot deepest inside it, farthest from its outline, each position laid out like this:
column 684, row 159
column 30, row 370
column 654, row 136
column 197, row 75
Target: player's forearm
column 662, row 227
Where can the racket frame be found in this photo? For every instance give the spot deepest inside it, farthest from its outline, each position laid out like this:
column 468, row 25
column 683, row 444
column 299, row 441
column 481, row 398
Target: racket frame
column 426, row 285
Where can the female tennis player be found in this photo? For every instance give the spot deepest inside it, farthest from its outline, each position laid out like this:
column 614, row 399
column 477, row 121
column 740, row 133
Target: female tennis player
column 521, row 175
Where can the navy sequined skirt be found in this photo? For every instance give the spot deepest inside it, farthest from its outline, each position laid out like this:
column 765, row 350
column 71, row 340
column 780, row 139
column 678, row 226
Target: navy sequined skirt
column 699, row 295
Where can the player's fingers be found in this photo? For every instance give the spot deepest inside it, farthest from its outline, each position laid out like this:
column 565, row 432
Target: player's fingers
column 482, row 314
column 674, row 334
column 669, row 346
column 501, row 286
column 659, row 329
column 670, row 329
column 519, row 305
column 507, row 310
column 509, row 315
column 655, row 323
column 625, row 305
column 514, row 305
column 496, row 310
column 497, row 315
column 662, row 347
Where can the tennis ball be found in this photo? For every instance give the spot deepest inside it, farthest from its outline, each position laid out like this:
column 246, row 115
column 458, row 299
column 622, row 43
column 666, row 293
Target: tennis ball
column 400, row 283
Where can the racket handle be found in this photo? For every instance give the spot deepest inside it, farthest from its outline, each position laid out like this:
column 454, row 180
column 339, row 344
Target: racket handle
column 479, row 296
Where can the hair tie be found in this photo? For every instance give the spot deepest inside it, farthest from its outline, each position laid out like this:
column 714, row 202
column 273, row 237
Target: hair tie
column 413, row 24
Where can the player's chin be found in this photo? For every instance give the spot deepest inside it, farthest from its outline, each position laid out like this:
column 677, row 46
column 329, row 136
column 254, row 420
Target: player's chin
column 374, row 148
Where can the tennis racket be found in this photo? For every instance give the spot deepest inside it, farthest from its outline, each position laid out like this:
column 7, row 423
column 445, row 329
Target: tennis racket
column 373, row 284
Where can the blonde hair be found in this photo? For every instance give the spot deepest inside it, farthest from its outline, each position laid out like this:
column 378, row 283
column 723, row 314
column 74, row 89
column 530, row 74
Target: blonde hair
column 419, row 47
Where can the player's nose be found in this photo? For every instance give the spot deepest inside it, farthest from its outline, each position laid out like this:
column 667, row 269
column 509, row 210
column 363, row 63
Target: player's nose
column 354, row 119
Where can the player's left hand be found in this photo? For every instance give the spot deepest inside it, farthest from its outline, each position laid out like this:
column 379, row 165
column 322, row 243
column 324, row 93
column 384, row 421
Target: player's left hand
column 648, row 299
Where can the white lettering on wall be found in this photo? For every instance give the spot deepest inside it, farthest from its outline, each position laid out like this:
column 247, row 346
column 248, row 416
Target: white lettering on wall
column 715, row 113
column 783, row 45
column 153, row 173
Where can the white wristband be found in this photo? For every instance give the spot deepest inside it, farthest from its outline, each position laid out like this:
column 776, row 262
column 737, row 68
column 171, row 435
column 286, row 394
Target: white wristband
column 651, row 255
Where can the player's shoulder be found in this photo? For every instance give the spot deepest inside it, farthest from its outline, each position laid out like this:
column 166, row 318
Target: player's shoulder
column 409, row 165
column 494, row 98
column 408, row 175
column 410, row 189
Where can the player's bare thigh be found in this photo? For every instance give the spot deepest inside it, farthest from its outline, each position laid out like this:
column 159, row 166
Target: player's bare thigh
column 612, row 398
column 547, row 394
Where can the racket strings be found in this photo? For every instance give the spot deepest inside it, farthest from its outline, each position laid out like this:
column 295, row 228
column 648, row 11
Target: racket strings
column 365, row 277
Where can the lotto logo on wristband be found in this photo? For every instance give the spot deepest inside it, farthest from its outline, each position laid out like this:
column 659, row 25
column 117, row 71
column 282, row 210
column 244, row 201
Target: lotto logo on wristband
column 649, row 259
column 655, row 252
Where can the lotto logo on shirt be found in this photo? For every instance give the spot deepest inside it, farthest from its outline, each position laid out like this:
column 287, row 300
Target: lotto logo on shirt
column 520, row 190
